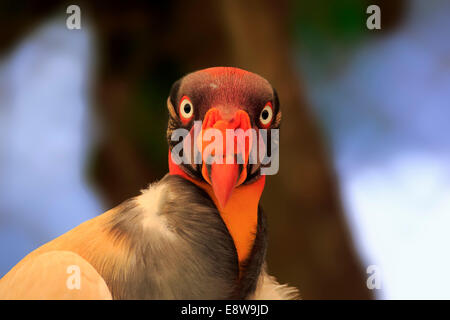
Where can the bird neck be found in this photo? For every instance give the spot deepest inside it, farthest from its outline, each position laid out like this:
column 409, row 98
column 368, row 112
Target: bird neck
column 240, row 214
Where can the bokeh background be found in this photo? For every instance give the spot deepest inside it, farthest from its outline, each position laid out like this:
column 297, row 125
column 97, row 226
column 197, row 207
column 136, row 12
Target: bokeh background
column 364, row 157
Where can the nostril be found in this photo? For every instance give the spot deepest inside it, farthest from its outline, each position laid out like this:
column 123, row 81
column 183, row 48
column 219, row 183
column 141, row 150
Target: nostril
column 215, row 118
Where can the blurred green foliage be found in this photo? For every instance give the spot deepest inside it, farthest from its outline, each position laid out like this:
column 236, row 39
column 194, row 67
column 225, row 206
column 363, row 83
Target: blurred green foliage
column 319, row 23
column 147, row 119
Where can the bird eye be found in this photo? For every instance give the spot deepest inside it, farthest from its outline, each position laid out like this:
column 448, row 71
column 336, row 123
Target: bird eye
column 266, row 115
column 186, row 110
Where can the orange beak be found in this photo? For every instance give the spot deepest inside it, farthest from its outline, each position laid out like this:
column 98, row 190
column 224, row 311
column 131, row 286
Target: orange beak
column 221, row 148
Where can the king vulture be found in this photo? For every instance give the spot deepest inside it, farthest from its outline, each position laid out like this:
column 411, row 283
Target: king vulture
column 198, row 233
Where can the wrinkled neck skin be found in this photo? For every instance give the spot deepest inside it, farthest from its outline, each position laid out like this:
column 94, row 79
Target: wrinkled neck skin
column 240, row 214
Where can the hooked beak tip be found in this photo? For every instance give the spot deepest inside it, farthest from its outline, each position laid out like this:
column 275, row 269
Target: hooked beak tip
column 224, row 178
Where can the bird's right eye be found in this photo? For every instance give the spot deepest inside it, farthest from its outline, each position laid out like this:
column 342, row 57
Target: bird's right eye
column 266, row 115
column 186, row 110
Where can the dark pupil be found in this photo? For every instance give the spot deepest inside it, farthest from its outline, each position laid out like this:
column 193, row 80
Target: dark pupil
column 187, row 108
column 265, row 114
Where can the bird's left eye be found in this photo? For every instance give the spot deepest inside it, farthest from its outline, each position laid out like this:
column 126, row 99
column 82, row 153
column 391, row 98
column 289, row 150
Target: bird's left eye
column 186, row 110
column 266, row 115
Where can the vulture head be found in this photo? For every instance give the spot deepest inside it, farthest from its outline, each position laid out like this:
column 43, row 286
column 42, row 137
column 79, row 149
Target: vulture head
column 216, row 118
